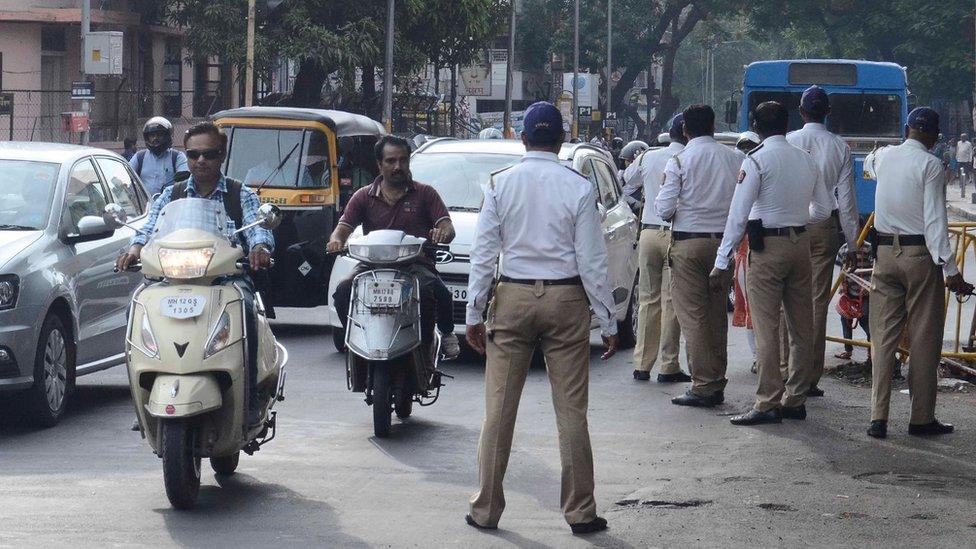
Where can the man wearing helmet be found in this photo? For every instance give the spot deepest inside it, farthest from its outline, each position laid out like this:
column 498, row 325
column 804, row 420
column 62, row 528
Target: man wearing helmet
column 158, row 163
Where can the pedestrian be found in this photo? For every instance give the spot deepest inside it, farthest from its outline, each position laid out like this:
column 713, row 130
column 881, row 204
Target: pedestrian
column 913, row 253
column 833, row 158
column 740, row 305
column 778, row 190
column 158, row 163
column 694, row 198
column 852, row 307
column 949, row 161
column 555, row 269
column 657, row 323
column 128, row 148
column 964, row 162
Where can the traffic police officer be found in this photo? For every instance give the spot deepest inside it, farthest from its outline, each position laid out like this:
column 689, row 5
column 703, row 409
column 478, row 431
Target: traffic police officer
column 833, row 158
column 657, row 324
column 912, row 248
column 695, row 197
column 779, row 185
column 555, row 269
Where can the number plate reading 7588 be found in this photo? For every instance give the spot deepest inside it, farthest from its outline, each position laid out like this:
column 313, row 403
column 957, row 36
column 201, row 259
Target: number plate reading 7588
column 383, row 294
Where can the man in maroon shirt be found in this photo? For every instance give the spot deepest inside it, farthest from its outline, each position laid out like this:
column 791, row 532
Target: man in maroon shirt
column 395, row 201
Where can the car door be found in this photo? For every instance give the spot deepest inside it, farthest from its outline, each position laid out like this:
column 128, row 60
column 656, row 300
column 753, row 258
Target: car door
column 623, row 229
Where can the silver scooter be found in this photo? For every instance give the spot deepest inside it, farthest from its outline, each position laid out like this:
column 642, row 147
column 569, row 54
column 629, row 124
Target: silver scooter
column 387, row 360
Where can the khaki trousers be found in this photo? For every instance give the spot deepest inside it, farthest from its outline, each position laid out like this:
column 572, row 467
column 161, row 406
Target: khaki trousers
column 521, row 316
column 910, row 291
column 657, row 324
column 824, row 245
column 779, row 276
column 702, row 314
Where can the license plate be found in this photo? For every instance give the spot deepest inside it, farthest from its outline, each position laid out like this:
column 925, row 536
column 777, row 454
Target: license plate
column 383, row 294
column 458, row 293
column 183, row 306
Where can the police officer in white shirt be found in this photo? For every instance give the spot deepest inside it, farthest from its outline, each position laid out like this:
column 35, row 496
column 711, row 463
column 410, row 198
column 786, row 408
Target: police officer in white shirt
column 833, row 157
column 695, row 197
column 657, row 323
column 555, row 269
column 779, row 187
column 913, row 254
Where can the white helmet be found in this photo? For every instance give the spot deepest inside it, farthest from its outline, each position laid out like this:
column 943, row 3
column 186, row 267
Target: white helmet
column 490, row 133
column 748, row 141
column 158, row 124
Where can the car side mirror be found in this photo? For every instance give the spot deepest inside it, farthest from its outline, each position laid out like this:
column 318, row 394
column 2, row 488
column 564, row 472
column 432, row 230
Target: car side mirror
column 114, row 216
column 731, row 111
column 270, row 216
column 92, row 226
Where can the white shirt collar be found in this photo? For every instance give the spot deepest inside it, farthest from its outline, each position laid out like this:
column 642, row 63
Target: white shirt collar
column 814, row 126
column 674, row 145
column 775, row 139
column 541, row 155
column 700, row 139
column 915, row 143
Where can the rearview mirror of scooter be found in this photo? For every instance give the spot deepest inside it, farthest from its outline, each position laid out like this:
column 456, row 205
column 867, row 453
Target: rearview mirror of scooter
column 270, row 216
column 114, row 216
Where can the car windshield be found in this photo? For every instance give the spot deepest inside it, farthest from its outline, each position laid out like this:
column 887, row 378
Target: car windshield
column 26, row 189
column 460, row 178
column 199, row 214
column 865, row 115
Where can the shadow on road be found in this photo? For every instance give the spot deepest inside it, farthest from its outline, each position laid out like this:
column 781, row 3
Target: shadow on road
column 282, row 329
column 84, row 402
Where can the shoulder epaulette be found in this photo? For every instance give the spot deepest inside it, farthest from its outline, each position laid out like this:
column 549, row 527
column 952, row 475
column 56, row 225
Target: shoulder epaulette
column 750, row 153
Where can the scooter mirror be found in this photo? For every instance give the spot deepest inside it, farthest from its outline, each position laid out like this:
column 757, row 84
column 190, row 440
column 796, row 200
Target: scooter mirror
column 181, row 176
column 114, row 216
column 270, row 216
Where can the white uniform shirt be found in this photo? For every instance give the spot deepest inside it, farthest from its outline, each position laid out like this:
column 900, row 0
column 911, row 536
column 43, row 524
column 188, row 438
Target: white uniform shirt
column 648, row 171
column 780, row 185
column 964, row 151
column 910, row 197
column 698, row 186
column 561, row 239
column 833, row 157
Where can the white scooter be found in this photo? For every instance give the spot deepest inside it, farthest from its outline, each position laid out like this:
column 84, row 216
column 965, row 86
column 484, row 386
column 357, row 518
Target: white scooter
column 187, row 345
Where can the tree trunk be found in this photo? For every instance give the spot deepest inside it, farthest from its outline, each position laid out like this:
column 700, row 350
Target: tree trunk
column 369, row 102
column 453, row 100
column 668, row 102
column 437, row 101
column 308, row 85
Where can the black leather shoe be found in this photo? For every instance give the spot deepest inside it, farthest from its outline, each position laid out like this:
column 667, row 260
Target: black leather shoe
column 794, row 412
column 135, row 424
column 642, row 376
column 878, row 429
column 719, row 397
column 471, row 522
column 815, row 392
column 677, row 377
column 698, row 401
column 755, row 417
column 596, row 525
column 934, row 428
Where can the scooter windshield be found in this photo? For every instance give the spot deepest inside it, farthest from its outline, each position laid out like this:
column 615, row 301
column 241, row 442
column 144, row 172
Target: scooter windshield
column 198, row 214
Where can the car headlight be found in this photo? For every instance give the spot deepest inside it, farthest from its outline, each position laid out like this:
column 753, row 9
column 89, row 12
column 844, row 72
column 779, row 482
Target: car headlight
column 9, row 289
column 219, row 336
column 148, row 339
column 185, row 264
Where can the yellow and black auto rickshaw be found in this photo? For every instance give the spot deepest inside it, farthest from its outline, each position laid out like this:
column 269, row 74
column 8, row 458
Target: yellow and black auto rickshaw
column 307, row 162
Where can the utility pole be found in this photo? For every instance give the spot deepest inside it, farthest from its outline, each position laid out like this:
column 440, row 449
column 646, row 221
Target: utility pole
column 388, row 70
column 574, row 131
column 606, row 112
column 85, row 28
column 509, row 75
column 249, row 75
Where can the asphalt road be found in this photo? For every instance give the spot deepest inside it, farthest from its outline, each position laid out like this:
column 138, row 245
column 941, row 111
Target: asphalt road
column 666, row 476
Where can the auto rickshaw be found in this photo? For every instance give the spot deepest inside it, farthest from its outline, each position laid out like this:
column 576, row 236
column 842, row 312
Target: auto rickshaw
column 307, row 162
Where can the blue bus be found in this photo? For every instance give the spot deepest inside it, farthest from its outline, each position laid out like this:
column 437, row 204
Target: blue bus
column 868, row 101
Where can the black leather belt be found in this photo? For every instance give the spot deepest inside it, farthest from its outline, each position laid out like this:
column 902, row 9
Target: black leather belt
column 654, row 227
column 571, row 281
column 783, row 231
column 679, row 235
column 903, row 239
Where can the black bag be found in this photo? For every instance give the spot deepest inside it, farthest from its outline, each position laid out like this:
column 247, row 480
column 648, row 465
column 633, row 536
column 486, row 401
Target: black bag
column 754, row 232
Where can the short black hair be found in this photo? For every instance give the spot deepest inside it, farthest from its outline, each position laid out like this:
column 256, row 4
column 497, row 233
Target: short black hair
column 770, row 118
column 209, row 128
column 551, row 141
column 393, row 140
column 699, row 120
column 128, row 142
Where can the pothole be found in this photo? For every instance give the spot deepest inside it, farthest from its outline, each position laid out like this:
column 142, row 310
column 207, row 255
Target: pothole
column 665, row 504
column 778, row 507
column 944, row 484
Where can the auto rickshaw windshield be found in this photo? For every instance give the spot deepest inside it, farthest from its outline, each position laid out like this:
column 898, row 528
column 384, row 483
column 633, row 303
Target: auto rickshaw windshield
column 279, row 158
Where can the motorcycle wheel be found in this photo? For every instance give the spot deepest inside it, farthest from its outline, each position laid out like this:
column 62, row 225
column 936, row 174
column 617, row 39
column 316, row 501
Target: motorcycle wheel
column 181, row 469
column 404, row 403
column 382, row 389
column 225, row 465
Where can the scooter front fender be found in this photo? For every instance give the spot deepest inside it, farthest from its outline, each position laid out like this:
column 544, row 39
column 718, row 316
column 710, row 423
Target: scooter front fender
column 183, row 396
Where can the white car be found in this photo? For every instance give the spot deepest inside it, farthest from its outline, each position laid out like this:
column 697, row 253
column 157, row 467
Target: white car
column 460, row 169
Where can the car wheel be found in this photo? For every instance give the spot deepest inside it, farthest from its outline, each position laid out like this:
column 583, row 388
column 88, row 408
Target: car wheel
column 53, row 369
column 627, row 329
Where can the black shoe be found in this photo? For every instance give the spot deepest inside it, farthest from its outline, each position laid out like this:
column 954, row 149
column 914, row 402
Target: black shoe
column 815, row 392
column 135, row 424
column 698, row 401
column 878, row 429
column 470, row 520
column 677, row 377
column 934, row 428
column 755, row 417
column 719, row 397
column 794, row 412
column 642, row 376
column 596, row 525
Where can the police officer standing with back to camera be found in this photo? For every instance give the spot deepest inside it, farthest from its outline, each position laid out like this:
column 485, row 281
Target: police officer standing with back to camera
column 555, row 269
column 695, row 196
column 913, row 253
column 657, row 324
column 778, row 188
column 833, row 158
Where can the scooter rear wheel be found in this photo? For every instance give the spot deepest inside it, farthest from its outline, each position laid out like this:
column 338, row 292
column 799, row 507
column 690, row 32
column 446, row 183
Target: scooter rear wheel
column 181, row 468
column 225, row 465
column 382, row 390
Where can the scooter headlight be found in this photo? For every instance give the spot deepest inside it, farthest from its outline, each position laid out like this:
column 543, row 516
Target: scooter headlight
column 185, row 264
column 148, row 339
column 383, row 253
column 219, row 336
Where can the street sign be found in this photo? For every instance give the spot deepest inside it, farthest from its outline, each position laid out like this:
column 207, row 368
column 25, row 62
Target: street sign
column 476, row 81
column 585, row 112
column 83, row 90
column 6, row 104
column 611, row 116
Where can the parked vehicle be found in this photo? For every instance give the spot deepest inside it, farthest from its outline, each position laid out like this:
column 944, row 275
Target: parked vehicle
column 460, row 169
column 187, row 345
column 392, row 356
column 62, row 308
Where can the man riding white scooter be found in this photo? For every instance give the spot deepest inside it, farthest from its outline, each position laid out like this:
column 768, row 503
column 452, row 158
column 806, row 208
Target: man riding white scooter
column 206, row 148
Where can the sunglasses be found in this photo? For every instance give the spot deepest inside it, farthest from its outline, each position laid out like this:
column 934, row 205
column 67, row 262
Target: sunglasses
column 211, row 154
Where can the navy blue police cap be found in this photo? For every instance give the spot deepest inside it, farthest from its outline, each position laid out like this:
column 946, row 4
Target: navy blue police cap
column 677, row 124
column 543, row 122
column 815, row 101
column 924, row 119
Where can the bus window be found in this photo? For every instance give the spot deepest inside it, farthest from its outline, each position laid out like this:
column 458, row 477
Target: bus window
column 790, row 100
column 256, row 153
column 865, row 115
